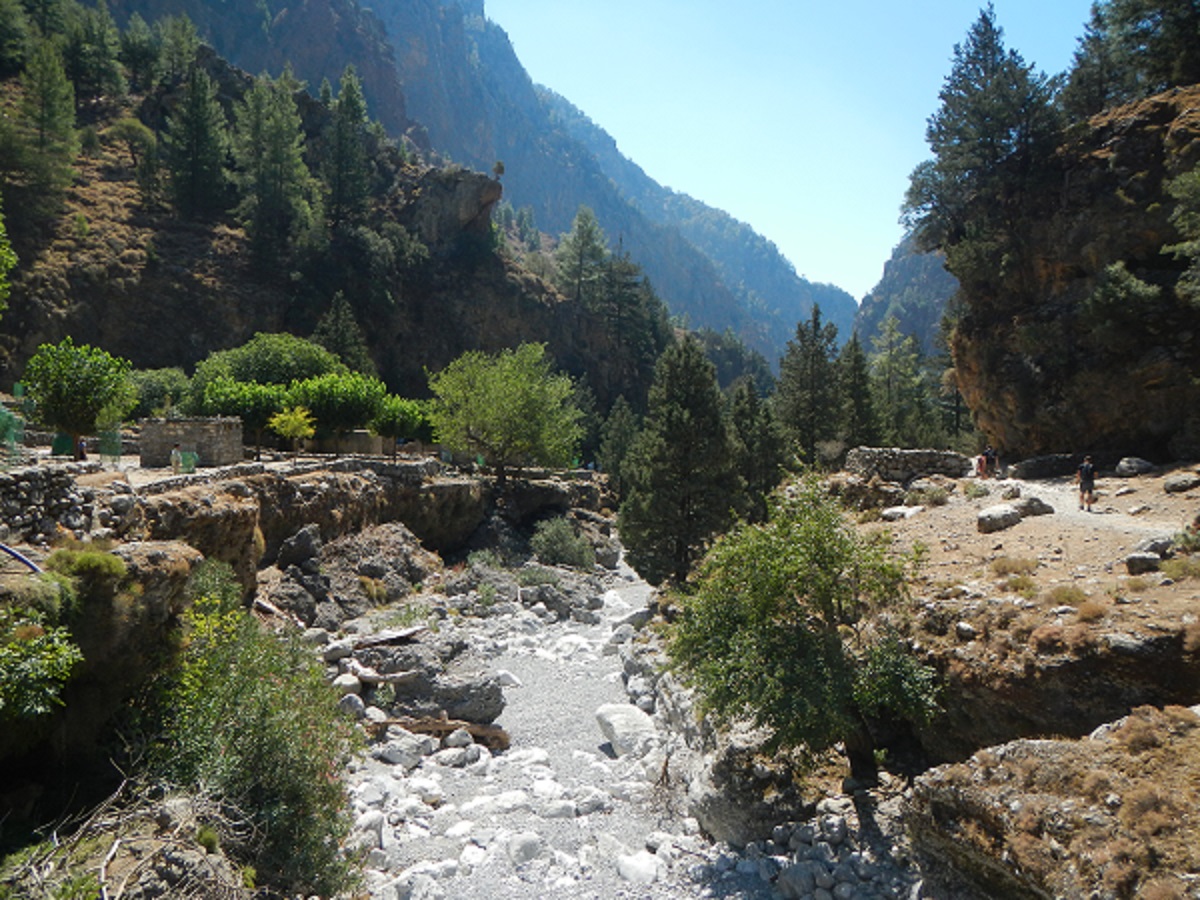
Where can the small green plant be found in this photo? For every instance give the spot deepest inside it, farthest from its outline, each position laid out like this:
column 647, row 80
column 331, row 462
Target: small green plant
column 532, row 576
column 1137, row 585
column 933, row 496
column 487, row 594
column 556, row 543
column 1066, row 595
column 484, row 559
column 81, row 226
column 1021, row 584
column 375, row 589
column 1181, row 567
column 207, row 837
column 976, row 491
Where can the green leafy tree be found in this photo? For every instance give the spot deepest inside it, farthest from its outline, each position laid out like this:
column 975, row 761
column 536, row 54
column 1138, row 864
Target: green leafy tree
column 276, row 187
column 36, row 662
column 398, row 418
column 760, row 449
column 140, row 142
column 197, row 144
column 159, row 391
column 293, row 424
column 580, row 259
column 903, row 389
column 682, row 484
column 859, row 421
column 252, row 402
column 806, row 398
column 338, row 332
column 347, row 170
column 49, row 16
column 511, row 408
column 267, row 358
column 75, row 387
column 340, row 401
column 141, row 50
column 776, row 631
column 617, row 436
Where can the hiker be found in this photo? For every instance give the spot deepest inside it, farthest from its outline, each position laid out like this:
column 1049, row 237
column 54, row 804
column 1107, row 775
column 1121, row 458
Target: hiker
column 176, row 460
column 989, row 461
column 1086, row 476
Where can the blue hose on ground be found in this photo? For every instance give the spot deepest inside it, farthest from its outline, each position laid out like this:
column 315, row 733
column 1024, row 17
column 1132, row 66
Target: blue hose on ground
column 21, row 558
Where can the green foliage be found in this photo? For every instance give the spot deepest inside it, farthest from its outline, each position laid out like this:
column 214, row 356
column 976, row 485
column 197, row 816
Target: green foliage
column 580, row 256
column 90, row 49
column 77, row 387
column 1185, row 189
column 511, row 408
column 774, row 632
column 556, row 543
column 44, row 144
column 733, row 360
column 36, row 661
column 253, row 402
column 759, row 447
column 902, row 390
column 338, row 332
column 992, row 140
column 179, row 43
column 277, row 190
column 806, row 399
column 397, row 417
column 8, row 260
column 267, row 359
column 251, row 722
column 293, row 424
column 617, row 435
column 159, row 391
column 197, row 143
column 682, row 482
column 340, row 401
column 96, row 574
column 14, row 36
column 140, row 51
column 859, row 419
column 346, row 171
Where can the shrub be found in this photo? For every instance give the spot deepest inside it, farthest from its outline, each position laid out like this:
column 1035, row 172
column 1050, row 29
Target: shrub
column 1181, row 567
column 250, row 721
column 556, row 544
column 532, row 576
column 36, row 662
column 1006, row 565
column 484, row 559
column 976, row 491
column 1066, row 595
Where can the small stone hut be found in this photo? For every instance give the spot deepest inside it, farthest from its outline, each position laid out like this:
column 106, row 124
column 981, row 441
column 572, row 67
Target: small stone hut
column 215, row 441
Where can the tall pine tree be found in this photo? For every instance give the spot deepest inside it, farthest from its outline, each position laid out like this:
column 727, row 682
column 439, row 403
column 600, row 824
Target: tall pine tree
column 276, row 186
column 580, row 259
column 860, row 423
column 682, row 482
column 759, row 447
column 197, row 144
column 806, row 398
column 346, row 170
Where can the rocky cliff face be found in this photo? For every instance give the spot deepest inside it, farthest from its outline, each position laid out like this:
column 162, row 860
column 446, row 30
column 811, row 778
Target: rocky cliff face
column 1082, row 356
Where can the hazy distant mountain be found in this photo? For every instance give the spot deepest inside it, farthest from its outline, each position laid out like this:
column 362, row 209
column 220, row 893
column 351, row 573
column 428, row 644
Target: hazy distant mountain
column 463, row 81
column 915, row 288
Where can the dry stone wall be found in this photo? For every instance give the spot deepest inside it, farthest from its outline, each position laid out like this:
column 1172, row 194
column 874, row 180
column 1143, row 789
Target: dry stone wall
column 37, row 501
column 894, row 464
column 216, row 441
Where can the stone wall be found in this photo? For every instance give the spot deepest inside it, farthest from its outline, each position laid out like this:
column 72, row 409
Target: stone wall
column 35, row 502
column 217, row 442
column 894, row 464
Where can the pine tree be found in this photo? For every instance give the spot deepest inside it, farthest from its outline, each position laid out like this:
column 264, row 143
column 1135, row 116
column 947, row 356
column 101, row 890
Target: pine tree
column 806, row 400
column 275, row 183
column 1159, row 41
column 49, row 16
column 682, row 481
column 48, row 120
column 8, row 260
column 339, row 332
column 179, row 44
column 860, row 424
column 197, row 143
column 14, row 36
column 992, row 140
column 903, row 390
column 140, row 51
column 90, row 54
column 759, row 447
column 346, row 171
column 580, row 259
column 617, row 436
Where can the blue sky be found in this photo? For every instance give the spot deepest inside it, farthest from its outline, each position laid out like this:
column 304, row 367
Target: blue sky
column 803, row 119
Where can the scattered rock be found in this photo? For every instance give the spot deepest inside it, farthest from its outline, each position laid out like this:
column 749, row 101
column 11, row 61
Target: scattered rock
column 1141, row 563
column 1181, row 482
column 1133, row 465
column 997, row 518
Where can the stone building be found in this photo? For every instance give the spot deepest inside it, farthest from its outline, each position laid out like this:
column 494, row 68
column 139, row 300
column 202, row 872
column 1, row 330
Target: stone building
column 215, row 441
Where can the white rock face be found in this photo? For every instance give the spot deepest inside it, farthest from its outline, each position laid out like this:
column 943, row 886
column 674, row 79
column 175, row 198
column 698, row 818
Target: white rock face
column 997, row 518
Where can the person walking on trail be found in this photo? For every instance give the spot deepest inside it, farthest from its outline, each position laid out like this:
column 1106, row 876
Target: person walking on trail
column 1086, row 476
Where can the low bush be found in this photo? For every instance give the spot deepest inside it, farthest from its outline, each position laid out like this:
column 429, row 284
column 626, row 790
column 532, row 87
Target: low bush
column 556, row 544
column 250, row 721
column 1007, row 565
column 1065, row 595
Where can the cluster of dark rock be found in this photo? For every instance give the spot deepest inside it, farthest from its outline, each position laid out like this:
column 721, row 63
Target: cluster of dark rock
column 38, row 502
